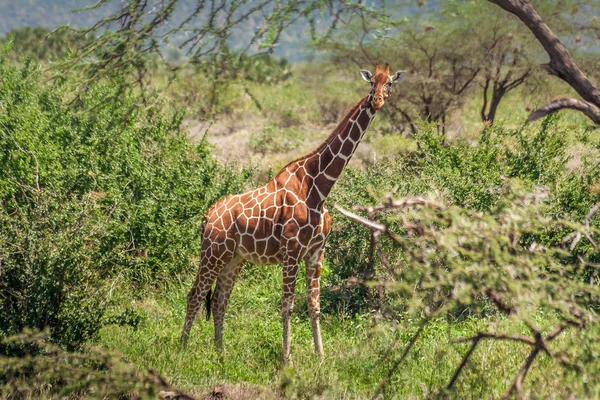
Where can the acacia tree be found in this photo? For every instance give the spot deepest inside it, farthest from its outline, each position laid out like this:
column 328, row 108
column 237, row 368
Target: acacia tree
column 505, row 69
column 215, row 30
column 561, row 62
column 448, row 52
column 507, row 61
column 441, row 72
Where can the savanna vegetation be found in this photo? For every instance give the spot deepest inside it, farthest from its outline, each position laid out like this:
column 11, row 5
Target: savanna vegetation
column 464, row 256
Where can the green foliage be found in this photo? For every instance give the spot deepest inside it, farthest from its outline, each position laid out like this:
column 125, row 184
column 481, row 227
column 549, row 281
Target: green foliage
column 50, row 252
column 130, row 39
column 89, row 192
column 348, row 245
column 453, row 259
column 540, row 157
column 104, row 196
column 261, row 69
column 359, row 349
column 274, row 139
column 473, row 176
column 222, row 81
column 95, row 374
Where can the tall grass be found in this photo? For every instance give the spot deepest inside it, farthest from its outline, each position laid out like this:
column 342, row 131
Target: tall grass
column 359, row 349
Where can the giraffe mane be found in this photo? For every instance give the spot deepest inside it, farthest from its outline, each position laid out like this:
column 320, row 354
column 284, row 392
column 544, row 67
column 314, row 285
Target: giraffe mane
column 332, row 135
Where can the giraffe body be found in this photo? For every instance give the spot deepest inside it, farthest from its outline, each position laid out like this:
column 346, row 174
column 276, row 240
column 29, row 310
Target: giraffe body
column 282, row 222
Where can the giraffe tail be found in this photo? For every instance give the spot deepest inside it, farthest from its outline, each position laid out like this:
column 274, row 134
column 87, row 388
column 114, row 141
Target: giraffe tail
column 209, row 294
column 208, row 300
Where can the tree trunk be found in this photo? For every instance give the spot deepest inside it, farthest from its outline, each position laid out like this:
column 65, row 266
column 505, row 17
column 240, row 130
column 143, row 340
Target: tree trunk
column 497, row 96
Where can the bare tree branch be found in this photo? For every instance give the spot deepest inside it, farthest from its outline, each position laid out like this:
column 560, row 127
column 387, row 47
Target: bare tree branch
column 590, row 110
column 518, row 382
column 446, row 231
column 474, row 344
column 497, row 336
column 374, row 226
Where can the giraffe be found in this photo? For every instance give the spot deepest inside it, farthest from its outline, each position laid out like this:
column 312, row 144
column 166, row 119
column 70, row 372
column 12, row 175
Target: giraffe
column 284, row 221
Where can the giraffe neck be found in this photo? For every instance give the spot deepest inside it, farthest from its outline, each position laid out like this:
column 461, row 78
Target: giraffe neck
column 329, row 160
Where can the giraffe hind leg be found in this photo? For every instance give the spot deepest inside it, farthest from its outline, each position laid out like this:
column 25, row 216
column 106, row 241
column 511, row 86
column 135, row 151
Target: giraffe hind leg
column 290, row 273
column 220, row 299
column 207, row 274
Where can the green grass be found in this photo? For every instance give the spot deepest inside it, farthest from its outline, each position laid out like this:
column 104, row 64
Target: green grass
column 359, row 350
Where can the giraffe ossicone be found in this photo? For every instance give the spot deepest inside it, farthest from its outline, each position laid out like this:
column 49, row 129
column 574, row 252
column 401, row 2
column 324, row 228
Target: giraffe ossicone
column 284, row 221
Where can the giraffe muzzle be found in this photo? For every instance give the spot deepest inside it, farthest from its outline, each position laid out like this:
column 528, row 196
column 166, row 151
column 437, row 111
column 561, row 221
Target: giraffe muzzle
column 378, row 102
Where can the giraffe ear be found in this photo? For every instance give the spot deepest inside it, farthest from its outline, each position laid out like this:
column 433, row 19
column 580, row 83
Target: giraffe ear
column 366, row 75
column 398, row 76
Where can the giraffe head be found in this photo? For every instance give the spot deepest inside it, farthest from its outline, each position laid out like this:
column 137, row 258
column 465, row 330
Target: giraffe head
column 381, row 84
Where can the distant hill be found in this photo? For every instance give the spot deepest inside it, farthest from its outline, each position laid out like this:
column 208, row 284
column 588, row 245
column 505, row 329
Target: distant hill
column 48, row 13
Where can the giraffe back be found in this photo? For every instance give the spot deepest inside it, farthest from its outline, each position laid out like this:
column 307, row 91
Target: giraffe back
column 257, row 225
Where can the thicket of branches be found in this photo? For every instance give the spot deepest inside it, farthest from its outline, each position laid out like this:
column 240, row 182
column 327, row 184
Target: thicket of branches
column 42, row 370
column 504, row 233
column 448, row 259
column 492, row 59
column 130, row 41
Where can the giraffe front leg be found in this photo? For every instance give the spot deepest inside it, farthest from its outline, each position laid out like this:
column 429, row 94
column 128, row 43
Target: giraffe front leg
column 290, row 273
column 314, row 263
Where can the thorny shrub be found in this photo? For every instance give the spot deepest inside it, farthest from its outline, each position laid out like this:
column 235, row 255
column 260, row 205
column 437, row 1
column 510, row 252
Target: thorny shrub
column 476, row 177
column 47, row 371
column 445, row 259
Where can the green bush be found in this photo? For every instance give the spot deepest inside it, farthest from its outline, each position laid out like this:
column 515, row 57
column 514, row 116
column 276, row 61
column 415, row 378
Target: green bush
column 49, row 372
column 468, row 175
column 274, row 139
column 474, row 176
column 91, row 190
column 459, row 261
column 43, row 44
column 50, row 252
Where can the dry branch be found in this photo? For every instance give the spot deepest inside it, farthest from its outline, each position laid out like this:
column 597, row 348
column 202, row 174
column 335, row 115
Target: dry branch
column 390, row 205
column 474, row 344
column 590, row 110
column 518, row 382
column 403, row 203
column 392, row 370
column 497, row 336
column 374, row 226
